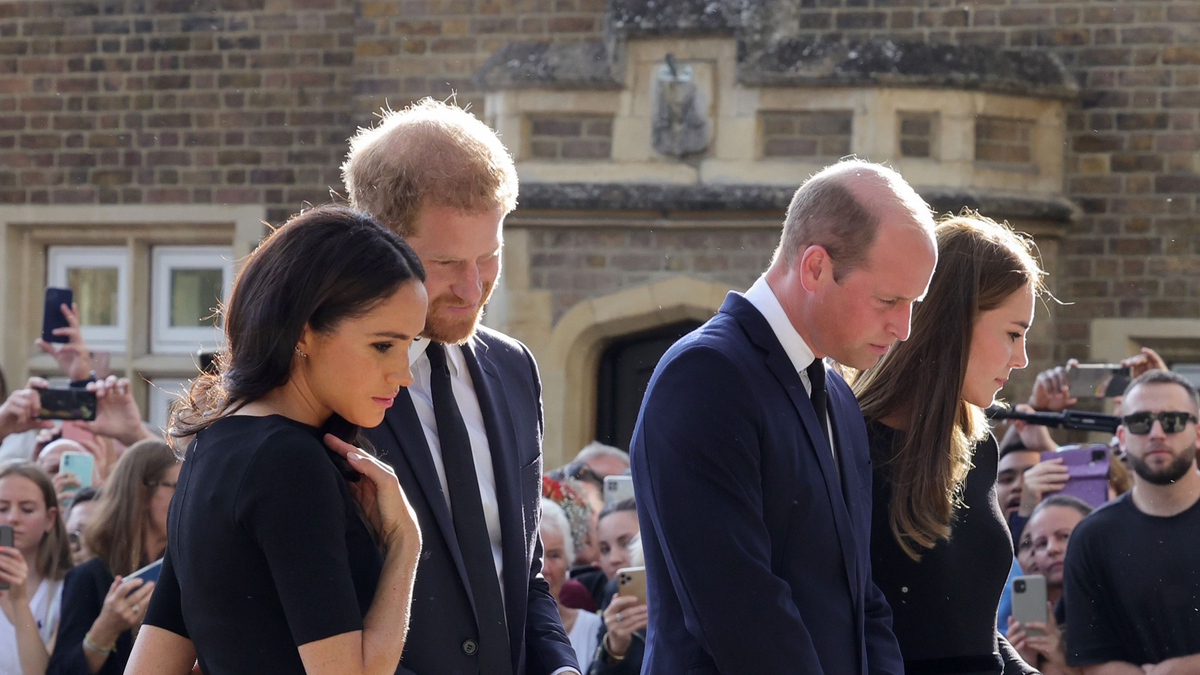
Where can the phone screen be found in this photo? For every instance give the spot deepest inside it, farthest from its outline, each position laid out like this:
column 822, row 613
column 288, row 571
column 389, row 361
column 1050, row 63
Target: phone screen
column 67, row 404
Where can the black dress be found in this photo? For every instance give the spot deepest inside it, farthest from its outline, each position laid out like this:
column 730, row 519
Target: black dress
column 266, row 551
column 944, row 606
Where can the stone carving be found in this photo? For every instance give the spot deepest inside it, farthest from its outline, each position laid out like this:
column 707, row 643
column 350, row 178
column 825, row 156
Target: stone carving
column 680, row 127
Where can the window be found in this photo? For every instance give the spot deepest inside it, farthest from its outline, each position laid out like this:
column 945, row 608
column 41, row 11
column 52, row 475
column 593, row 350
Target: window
column 917, row 134
column 570, row 137
column 187, row 285
column 1004, row 143
column 99, row 277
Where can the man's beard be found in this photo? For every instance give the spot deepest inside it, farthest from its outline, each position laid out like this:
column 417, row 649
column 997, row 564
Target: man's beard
column 1178, row 468
column 451, row 331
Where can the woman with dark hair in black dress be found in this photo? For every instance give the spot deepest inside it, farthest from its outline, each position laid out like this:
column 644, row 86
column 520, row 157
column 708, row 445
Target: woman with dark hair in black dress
column 284, row 557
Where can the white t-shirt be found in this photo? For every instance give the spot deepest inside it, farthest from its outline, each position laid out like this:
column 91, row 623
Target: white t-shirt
column 585, row 637
column 45, row 605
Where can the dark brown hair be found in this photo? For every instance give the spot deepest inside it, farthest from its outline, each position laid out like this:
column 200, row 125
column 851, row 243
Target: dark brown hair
column 980, row 264
column 115, row 532
column 320, row 268
column 54, row 551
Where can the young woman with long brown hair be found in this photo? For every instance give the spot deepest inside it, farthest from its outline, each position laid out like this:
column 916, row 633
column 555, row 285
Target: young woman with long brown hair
column 33, row 567
column 101, row 608
column 940, row 548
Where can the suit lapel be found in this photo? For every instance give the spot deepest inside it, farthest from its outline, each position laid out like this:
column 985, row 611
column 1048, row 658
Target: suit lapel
column 781, row 366
column 502, row 441
column 405, row 425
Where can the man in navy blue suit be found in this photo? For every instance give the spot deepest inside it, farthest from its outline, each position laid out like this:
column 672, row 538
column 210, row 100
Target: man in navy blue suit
column 750, row 459
column 465, row 437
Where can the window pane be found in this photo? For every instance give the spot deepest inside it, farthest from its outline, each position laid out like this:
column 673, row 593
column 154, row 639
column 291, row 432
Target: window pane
column 194, row 295
column 95, row 293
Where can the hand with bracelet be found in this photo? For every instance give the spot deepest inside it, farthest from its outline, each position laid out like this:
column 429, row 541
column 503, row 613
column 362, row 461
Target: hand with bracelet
column 623, row 617
column 124, row 607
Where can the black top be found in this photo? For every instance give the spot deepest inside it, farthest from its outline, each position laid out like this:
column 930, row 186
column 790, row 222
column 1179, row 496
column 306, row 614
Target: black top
column 944, row 606
column 266, row 549
column 83, row 598
column 1133, row 585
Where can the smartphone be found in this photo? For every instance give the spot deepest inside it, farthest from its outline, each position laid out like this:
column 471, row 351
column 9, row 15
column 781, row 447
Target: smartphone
column 617, row 489
column 631, row 581
column 67, row 404
column 52, row 314
column 1087, row 471
column 149, row 573
column 79, row 463
column 1097, row 380
column 6, row 540
column 1029, row 601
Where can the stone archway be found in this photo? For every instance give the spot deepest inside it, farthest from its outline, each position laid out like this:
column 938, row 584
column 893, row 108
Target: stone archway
column 571, row 357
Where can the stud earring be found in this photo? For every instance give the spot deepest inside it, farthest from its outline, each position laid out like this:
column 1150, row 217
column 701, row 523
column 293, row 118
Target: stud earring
column 301, row 353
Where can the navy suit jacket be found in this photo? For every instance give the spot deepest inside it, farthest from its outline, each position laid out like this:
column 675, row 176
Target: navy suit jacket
column 756, row 545
column 443, row 616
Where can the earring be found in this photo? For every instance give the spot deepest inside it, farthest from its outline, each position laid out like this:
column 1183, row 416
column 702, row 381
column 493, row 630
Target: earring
column 301, row 353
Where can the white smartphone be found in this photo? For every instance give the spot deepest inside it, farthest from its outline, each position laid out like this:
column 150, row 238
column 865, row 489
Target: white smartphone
column 1029, row 601
column 617, row 489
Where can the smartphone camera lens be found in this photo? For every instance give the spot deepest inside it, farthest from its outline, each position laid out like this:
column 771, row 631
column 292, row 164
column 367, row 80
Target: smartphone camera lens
column 1019, row 586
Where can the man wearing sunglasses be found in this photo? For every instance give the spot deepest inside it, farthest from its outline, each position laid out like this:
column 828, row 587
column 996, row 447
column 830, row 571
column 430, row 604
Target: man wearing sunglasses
column 1132, row 587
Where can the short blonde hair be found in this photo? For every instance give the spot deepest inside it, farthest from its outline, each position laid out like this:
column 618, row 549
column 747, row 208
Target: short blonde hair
column 430, row 153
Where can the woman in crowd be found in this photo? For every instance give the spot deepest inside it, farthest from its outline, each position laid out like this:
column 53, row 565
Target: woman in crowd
column 82, row 512
column 585, row 584
column 33, row 568
column 940, row 549
column 558, row 549
column 271, row 567
column 101, row 607
column 616, row 526
column 623, row 636
column 1043, row 551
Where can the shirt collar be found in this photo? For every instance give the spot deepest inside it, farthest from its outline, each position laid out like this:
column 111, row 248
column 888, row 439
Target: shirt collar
column 454, row 355
column 762, row 296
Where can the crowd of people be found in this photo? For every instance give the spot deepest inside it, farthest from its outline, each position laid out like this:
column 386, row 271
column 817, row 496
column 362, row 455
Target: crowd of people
column 356, row 484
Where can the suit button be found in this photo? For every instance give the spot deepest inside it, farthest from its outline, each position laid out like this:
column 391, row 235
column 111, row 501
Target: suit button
column 469, row 647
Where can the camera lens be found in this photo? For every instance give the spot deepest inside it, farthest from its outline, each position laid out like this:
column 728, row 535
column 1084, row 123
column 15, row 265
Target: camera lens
column 1019, row 586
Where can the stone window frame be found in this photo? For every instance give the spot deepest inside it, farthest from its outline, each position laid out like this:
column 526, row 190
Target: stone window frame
column 27, row 233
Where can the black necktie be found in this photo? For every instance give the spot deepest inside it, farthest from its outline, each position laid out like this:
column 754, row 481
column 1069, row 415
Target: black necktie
column 816, row 378
column 470, row 527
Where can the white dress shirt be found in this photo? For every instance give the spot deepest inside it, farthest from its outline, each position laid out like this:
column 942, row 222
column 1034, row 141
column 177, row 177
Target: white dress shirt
column 481, row 451
column 762, row 296
column 468, row 406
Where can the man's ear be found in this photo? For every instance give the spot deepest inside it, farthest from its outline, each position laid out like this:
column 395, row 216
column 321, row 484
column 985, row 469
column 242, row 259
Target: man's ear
column 815, row 267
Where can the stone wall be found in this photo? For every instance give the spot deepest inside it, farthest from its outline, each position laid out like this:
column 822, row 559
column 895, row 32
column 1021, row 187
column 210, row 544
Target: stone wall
column 583, row 262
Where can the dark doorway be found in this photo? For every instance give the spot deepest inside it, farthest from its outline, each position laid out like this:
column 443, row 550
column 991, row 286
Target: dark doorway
column 625, row 370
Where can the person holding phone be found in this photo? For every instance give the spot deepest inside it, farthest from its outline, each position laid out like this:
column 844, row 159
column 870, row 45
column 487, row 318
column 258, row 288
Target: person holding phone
column 283, row 556
column 940, row 547
column 19, row 421
column 32, row 566
column 101, row 606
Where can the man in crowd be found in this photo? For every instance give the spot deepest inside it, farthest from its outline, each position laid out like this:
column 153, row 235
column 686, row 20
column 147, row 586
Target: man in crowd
column 465, row 437
column 604, row 460
column 1132, row 592
column 750, row 460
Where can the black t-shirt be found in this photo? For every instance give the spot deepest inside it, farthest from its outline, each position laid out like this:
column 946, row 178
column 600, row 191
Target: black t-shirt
column 265, row 551
column 1132, row 585
column 944, row 606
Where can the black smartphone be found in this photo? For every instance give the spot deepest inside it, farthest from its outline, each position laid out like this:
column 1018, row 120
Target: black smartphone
column 52, row 314
column 6, row 540
column 67, row 404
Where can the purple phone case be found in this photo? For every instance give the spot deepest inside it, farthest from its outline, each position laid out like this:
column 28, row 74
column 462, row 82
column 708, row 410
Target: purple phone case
column 1088, row 475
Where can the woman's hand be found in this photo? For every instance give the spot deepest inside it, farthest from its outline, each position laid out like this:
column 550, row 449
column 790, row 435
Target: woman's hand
column 1048, row 476
column 124, row 607
column 20, row 411
column 1020, row 641
column 1050, row 644
column 117, row 414
column 380, row 496
column 15, row 572
column 622, row 618
column 73, row 356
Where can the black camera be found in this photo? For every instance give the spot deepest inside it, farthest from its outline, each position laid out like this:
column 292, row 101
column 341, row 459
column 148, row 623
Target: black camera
column 1019, row 586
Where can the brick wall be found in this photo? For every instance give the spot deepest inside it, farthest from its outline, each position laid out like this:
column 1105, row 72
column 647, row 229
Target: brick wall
column 570, row 137
column 819, row 133
column 579, row 263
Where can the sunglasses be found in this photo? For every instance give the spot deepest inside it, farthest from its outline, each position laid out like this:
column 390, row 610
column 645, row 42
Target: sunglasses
column 1173, row 421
